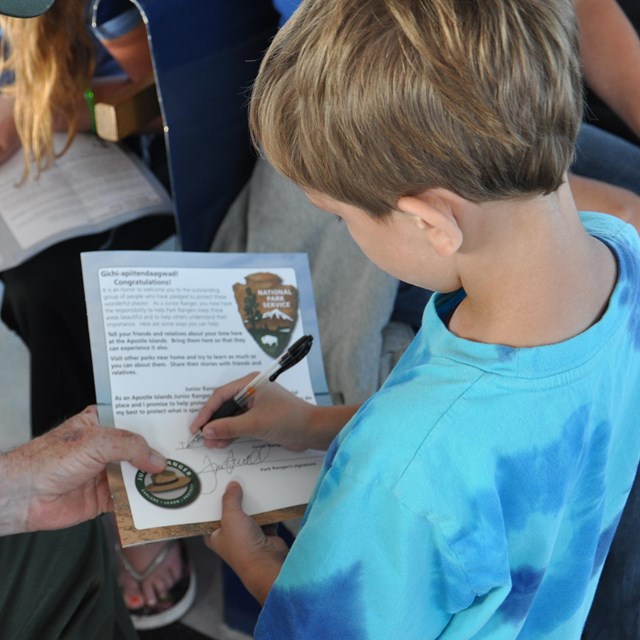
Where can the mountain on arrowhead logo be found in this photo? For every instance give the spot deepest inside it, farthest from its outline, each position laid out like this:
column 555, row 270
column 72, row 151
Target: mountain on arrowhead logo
column 269, row 310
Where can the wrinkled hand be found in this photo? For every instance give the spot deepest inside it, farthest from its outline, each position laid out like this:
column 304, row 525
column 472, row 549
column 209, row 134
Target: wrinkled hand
column 59, row 479
column 273, row 415
column 255, row 557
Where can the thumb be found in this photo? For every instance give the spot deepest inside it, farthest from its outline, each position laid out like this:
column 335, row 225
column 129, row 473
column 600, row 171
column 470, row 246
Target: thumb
column 236, row 522
column 232, row 502
column 231, row 514
column 131, row 447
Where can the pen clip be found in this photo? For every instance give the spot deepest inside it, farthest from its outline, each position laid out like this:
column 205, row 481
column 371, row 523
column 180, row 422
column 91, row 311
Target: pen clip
column 294, row 354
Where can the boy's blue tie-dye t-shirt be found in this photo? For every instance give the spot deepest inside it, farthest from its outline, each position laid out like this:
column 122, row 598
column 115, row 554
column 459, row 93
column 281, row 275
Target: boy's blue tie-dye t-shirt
column 476, row 494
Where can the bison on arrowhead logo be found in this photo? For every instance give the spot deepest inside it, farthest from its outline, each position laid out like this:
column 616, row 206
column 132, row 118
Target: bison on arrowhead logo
column 269, row 310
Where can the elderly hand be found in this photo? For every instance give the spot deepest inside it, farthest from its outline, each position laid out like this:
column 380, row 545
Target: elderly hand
column 59, row 479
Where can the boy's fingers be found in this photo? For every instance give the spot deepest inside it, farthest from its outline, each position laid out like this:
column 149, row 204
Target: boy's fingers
column 224, row 429
column 220, row 395
column 205, row 413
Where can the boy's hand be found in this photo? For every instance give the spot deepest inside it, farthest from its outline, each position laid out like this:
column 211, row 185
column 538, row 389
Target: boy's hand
column 274, row 415
column 254, row 556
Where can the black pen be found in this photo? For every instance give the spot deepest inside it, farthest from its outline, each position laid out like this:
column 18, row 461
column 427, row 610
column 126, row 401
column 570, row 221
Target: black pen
column 294, row 354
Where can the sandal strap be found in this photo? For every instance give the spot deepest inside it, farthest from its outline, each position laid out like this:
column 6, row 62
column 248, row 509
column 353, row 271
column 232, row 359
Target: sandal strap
column 151, row 567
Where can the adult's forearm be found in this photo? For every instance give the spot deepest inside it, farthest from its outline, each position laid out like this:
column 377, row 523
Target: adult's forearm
column 103, row 90
column 131, row 51
column 13, row 508
column 610, row 55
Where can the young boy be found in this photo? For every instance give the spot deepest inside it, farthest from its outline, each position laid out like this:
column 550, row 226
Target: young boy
column 476, row 494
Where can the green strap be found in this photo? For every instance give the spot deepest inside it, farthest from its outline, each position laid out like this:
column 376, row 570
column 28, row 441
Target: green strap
column 90, row 99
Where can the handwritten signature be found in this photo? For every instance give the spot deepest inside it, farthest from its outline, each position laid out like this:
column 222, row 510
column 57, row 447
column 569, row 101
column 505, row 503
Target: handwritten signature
column 257, row 455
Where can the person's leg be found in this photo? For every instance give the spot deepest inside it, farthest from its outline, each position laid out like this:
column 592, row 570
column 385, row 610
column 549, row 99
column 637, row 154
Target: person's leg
column 603, row 156
column 61, row 584
column 157, row 582
column 43, row 303
column 615, row 613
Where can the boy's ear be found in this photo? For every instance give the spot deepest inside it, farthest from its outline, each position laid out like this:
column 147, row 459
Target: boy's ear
column 433, row 214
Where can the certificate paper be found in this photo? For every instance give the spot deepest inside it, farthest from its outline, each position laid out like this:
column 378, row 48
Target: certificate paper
column 166, row 329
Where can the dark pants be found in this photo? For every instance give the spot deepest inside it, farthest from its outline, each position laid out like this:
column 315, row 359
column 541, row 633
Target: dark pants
column 44, row 304
column 60, row 584
column 615, row 613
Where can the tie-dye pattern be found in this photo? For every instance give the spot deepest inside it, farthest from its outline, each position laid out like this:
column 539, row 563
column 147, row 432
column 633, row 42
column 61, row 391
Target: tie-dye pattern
column 477, row 493
column 300, row 612
column 630, row 294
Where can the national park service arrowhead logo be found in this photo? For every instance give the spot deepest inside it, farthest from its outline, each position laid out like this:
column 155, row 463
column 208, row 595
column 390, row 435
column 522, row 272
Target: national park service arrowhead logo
column 269, row 310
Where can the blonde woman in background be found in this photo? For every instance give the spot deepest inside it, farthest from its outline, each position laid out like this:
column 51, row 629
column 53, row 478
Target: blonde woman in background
column 50, row 62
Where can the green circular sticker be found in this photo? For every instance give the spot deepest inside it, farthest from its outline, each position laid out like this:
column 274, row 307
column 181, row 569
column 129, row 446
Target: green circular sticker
column 176, row 486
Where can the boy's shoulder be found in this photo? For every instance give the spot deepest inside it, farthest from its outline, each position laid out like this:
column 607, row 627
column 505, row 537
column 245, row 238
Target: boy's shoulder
column 623, row 240
column 619, row 235
column 451, row 400
column 606, row 225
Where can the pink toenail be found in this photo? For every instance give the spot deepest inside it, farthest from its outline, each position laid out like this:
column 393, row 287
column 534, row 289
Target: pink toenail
column 135, row 602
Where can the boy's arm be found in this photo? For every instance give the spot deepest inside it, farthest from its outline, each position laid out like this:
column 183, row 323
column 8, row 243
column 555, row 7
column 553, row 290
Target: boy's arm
column 351, row 550
column 274, row 415
column 610, row 55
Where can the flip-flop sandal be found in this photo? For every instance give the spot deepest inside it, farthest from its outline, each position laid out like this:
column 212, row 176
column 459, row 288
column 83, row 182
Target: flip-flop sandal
column 179, row 598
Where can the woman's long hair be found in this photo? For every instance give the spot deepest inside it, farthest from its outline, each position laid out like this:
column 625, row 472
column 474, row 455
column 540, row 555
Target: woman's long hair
column 52, row 60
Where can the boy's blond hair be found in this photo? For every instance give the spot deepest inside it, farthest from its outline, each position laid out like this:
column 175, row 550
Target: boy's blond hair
column 370, row 100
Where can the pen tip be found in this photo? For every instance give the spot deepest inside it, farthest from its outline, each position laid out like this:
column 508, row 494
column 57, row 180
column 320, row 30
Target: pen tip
column 193, row 441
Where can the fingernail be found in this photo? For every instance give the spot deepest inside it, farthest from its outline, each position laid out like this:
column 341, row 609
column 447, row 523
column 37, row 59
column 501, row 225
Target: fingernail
column 158, row 458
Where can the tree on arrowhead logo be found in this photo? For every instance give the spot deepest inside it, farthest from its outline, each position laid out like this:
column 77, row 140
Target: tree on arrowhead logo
column 269, row 310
